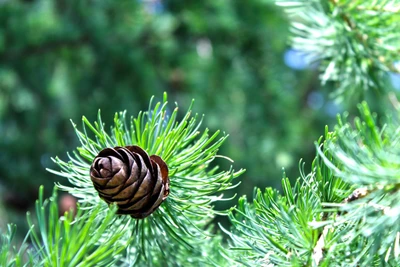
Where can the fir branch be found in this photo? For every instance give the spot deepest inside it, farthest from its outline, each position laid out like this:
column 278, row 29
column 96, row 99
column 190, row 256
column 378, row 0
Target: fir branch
column 354, row 48
column 367, row 226
column 275, row 229
column 72, row 240
column 320, row 246
column 179, row 227
column 344, row 212
column 279, row 229
column 10, row 256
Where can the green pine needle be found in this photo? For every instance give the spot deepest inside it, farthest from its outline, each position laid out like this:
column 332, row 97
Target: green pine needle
column 73, row 240
column 345, row 212
column 180, row 223
column 355, row 42
column 10, row 256
column 276, row 228
column 369, row 159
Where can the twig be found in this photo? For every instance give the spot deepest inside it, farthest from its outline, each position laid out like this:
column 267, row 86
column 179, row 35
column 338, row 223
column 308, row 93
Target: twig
column 384, row 9
column 357, row 194
column 318, row 251
column 363, row 37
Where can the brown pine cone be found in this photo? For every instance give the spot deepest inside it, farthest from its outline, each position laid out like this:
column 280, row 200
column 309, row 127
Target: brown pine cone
column 127, row 176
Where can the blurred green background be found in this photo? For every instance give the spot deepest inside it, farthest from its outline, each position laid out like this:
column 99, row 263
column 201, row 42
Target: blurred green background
column 61, row 59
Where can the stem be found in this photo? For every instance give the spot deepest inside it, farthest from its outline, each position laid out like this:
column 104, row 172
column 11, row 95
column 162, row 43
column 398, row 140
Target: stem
column 318, row 251
column 362, row 37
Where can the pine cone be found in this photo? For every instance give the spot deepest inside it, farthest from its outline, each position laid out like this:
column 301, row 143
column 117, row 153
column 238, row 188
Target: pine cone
column 127, row 176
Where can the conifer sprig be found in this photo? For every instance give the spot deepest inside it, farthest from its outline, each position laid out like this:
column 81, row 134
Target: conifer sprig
column 72, row 239
column 10, row 255
column 356, row 42
column 274, row 229
column 181, row 222
column 345, row 212
column 370, row 160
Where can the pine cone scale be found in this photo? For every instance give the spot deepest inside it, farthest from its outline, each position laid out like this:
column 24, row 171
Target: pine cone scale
column 110, row 192
column 136, row 206
column 157, row 186
column 118, row 178
column 163, row 167
column 143, row 154
column 128, row 176
column 134, row 174
column 98, row 181
column 124, row 194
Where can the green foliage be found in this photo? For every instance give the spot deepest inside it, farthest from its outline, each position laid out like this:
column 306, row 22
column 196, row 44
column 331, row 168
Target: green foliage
column 9, row 255
column 321, row 220
column 76, row 238
column 365, row 144
column 275, row 230
column 356, row 42
column 368, row 231
column 272, row 231
column 73, row 239
column 181, row 223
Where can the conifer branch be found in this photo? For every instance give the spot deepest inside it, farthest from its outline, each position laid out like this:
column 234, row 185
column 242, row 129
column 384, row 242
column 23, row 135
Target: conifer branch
column 368, row 219
column 10, row 255
column 180, row 225
column 354, row 49
column 319, row 248
column 344, row 212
